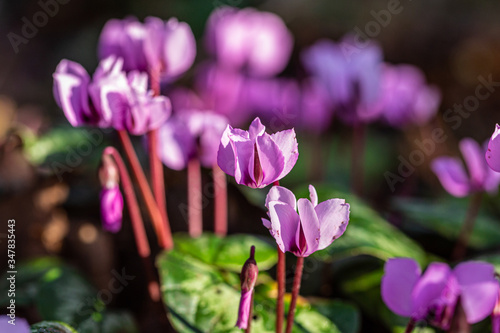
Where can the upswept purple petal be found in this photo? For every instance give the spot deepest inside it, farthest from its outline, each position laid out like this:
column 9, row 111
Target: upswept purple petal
column 313, row 195
column 310, row 228
column 287, row 143
column 493, row 151
column 282, row 194
column 452, row 176
column 177, row 145
column 179, row 49
column 473, row 156
column 21, row 325
column 478, row 289
column 400, row 277
column 333, row 216
column 429, row 288
column 285, row 223
column 272, row 161
column 226, row 159
column 256, row 129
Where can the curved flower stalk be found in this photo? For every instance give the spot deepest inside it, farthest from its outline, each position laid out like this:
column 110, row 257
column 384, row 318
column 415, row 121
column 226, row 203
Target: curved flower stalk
column 111, row 99
column 168, row 47
column 188, row 139
column 255, row 158
column 313, row 228
column 257, row 42
column 435, row 294
column 248, row 279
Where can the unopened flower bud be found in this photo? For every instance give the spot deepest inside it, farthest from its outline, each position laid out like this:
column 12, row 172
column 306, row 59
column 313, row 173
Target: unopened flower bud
column 248, row 278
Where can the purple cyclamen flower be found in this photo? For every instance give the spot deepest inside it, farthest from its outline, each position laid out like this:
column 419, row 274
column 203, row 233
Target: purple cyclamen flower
column 248, row 278
column 257, row 42
column 493, row 151
column 191, row 134
column 255, row 158
column 112, row 99
column 166, row 46
column 20, row 325
column 111, row 208
column 455, row 179
column 350, row 74
column 408, row 293
column 405, row 96
column 313, row 228
column 316, row 110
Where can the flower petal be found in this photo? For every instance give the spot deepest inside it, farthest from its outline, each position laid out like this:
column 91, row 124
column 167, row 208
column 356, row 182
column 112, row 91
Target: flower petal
column 429, row 288
column 313, row 195
column 452, row 176
column 333, row 216
column 287, row 142
column 256, row 129
column 310, row 227
column 272, row 161
column 226, row 160
column 281, row 194
column 284, row 225
column 493, row 152
column 479, row 289
column 177, row 145
column 400, row 277
column 474, row 159
column 179, row 49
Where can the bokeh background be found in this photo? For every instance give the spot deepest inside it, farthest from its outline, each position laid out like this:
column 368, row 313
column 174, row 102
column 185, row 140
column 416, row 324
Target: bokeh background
column 452, row 41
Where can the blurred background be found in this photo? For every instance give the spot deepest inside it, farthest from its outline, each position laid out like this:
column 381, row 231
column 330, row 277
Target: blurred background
column 452, row 42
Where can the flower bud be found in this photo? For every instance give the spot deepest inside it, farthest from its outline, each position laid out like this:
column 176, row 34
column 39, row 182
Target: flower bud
column 248, row 278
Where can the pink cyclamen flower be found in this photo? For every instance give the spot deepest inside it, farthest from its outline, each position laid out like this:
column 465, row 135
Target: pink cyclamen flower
column 493, row 151
column 258, row 42
column 189, row 134
column 248, row 278
column 111, row 208
column 20, row 325
column 409, row 293
column 255, row 158
column 405, row 96
column 454, row 178
column 111, row 99
column 313, row 228
column 166, row 46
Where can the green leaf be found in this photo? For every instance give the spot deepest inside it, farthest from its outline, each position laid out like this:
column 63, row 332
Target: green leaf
column 445, row 217
column 52, row 327
column 202, row 291
column 345, row 316
column 367, row 233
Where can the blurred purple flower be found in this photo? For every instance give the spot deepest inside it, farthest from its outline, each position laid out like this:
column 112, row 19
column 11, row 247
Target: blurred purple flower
column 191, row 134
column 167, row 46
column 21, row 325
column 350, row 74
column 223, row 91
column 455, row 179
column 493, row 151
column 248, row 278
column 257, row 42
column 255, row 158
column 111, row 208
column 313, row 228
column 111, row 99
column 316, row 110
column 405, row 96
column 408, row 293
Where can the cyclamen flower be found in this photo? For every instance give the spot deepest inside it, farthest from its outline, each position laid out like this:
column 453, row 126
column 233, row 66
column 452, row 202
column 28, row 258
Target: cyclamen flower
column 112, row 99
column 350, row 74
column 191, row 134
column 111, row 198
column 493, row 151
column 167, row 46
column 313, row 228
column 408, row 293
column 255, row 158
column 257, row 42
column 21, row 325
column 454, row 178
column 248, row 278
column 405, row 96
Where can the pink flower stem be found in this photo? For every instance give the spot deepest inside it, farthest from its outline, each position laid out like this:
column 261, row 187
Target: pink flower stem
column 162, row 230
column 195, row 211
column 220, row 197
column 410, row 326
column 140, row 236
column 357, row 158
column 467, row 226
column 280, row 277
column 295, row 293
